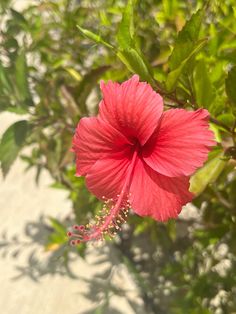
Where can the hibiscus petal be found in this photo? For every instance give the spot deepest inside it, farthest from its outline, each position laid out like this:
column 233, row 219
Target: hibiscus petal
column 94, row 139
column 155, row 195
column 181, row 144
column 107, row 177
column 133, row 108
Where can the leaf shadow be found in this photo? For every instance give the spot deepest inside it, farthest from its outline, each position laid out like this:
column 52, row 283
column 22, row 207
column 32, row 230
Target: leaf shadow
column 30, row 247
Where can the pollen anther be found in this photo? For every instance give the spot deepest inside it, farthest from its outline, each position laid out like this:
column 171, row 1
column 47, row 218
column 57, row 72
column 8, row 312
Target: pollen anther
column 107, row 223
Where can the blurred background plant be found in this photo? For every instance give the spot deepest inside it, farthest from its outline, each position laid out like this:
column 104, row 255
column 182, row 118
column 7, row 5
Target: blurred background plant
column 53, row 55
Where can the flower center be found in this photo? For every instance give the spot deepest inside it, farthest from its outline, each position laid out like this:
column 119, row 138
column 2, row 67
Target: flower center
column 136, row 147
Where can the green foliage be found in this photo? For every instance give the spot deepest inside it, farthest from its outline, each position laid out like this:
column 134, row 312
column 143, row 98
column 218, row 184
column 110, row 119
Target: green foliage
column 125, row 33
column 230, row 84
column 186, row 40
column 21, row 76
column 97, row 38
column 11, row 143
column 50, row 67
column 208, row 173
column 203, row 86
column 186, row 46
column 135, row 63
column 174, row 75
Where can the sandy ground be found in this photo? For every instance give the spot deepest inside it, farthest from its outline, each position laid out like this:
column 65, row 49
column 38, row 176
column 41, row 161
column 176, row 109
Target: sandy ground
column 23, row 290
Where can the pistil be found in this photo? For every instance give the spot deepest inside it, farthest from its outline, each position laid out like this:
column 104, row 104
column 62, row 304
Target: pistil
column 110, row 219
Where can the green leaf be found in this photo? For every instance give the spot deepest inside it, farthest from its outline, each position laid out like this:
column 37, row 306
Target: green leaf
column 173, row 76
column 75, row 74
column 58, row 226
column 18, row 17
column 169, row 7
column 17, row 110
column 186, row 41
column 135, row 63
column 230, row 85
column 186, row 46
column 125, row 35
column 58, row 185
column 227, row 118
column 58, row 237
column 11, row 143
column 207, row 174
column 4, row 81
column 21, row 77
column 216, row 130
column 4, row 4
column 94, row 37
column 202, row 84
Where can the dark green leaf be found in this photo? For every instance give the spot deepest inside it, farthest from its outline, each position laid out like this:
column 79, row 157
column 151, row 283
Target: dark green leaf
column 230, row 85
column 135, row 63
column 18, row 17
column 203, row 87
column 4, row 81
column 187, row 38
column 11, row 143
column 21, row 77
column 173, row 76
column 227, row 118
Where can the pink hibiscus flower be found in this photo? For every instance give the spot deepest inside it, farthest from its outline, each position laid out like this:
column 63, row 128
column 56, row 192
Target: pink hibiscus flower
column 134, row 155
